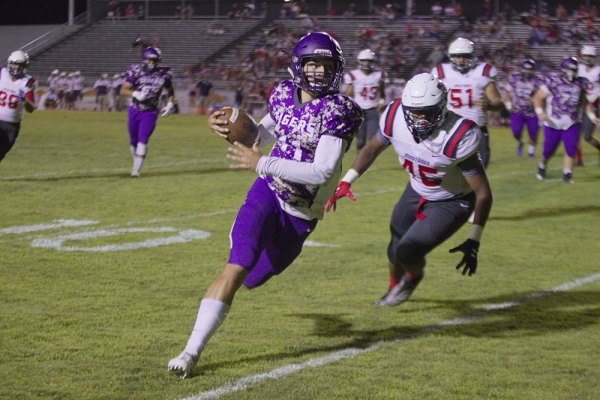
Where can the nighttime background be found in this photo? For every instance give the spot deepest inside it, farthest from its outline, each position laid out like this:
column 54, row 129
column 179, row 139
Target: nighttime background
column 33, row 12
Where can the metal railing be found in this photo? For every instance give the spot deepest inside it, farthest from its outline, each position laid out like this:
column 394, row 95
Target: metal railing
column 49, row 39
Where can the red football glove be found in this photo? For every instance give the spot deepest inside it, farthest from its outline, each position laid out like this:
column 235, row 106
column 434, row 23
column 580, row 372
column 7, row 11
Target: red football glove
column 343, row 190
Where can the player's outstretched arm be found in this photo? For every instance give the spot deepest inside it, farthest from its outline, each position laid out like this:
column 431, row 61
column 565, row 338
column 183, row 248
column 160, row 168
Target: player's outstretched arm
column 363, row 161
column 483, row 204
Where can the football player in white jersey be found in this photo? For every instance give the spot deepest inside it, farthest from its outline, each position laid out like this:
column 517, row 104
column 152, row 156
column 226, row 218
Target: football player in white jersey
column 17, row 92
column 440, row 151
column 471, row 88
column 587, row 69
column 366, row 86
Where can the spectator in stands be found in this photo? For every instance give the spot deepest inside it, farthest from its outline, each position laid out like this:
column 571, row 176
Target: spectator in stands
column 188, row 11
column 203, row 90
column 436, row 9
column 561, row 12
column 130, row 11
column 350, row 11
column 487, row 10
column 119, row 102
column 458, row 9
column 141, row 12
column 113, row 9
column 101, row 87
column 537, row 36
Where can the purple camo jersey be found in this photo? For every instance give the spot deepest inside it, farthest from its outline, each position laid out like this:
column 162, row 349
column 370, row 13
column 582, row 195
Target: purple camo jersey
column 566, row 96
column 298, row 130
column 151, row 83
column 140, row 125
column 264, row 239
column 521, row 90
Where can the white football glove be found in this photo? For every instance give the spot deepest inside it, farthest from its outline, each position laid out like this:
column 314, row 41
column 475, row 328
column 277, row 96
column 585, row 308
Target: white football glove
column 168, row 109
column 139, row 95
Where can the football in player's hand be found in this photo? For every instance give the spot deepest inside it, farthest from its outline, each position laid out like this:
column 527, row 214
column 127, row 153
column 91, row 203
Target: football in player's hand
column 242, row 126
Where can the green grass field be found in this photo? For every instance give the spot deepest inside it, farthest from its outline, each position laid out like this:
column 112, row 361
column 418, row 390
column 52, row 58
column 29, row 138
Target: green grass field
column 101, row 276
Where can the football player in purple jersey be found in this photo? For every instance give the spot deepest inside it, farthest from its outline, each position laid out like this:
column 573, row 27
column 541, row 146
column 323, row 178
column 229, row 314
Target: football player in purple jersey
column 558, row 104
column 311, row 127
column 440, row 150
column 521, row 86
column 144, row 83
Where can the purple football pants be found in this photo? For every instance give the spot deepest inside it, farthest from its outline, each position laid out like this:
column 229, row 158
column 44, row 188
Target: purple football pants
column 552, row 138
column 517, row 121
column 141, row 124
column 265, row 239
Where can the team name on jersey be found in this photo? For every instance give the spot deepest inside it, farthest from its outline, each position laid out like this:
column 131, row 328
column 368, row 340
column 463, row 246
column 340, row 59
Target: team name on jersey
column 297, row 123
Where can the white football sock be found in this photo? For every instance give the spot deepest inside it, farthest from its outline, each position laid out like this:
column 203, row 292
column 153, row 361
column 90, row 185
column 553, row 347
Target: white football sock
column 210, row 316
column 530, row 149
column 138, row 157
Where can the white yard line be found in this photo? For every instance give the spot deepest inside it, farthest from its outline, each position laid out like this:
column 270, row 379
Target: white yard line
column 286, row 370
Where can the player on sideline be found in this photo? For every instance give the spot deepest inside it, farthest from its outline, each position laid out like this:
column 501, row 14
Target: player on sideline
column 471, row 88
column 366, row 85
column 312, row 126
column 521, row 87
column 587, row 69
column 144, row 83
column 17, row 92
column 564, row 94
column 439, row 150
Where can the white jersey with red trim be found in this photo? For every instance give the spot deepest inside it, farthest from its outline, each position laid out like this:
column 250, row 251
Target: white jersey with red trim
column 11, row 107
column 464, row 90
column 366, row 87
column 592, row 74
column 432, row 164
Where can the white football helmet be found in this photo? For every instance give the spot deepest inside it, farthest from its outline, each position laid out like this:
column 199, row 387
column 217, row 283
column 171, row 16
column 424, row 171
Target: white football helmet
column 366, row 59
column 588, row 55
column 424, row 105
column 55, row 72
column 17, row 62
column 462, row 54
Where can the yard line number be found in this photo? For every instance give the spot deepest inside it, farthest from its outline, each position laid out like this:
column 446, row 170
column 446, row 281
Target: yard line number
column 75, row 241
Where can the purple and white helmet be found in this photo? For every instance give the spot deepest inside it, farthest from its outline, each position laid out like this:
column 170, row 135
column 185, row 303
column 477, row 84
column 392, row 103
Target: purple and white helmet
column 317, row 46
column 568, row 67
column 527, row 67
column 151, row 58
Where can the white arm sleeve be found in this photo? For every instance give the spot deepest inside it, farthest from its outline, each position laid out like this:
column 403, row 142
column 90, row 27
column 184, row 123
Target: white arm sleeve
column 327, row 155
column 266, row 131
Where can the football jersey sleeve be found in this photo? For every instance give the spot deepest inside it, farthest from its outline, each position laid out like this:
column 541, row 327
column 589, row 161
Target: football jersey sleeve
column 463, row 140
column 348, row 78
column 386, row 121
column 469, row 143
column 31, row 87
column 168, row 78
column 343, row 119
column 129, row 75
